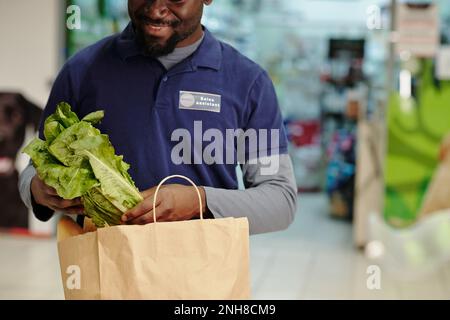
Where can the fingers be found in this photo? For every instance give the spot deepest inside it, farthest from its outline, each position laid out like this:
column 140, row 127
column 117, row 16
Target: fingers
column 49, row 190
column 64, row 204
column 163, row 215
column 77, row 202
column 142, row 208
column 143, row 219
column 68, row 206
column 74, row 210
column 47, row 196
column 71, row 210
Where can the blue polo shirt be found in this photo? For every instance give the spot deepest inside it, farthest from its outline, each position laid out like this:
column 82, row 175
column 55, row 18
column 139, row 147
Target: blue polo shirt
column 143, row 105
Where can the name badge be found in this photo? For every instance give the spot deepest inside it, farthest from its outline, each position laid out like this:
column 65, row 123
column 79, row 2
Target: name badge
column 200, row 101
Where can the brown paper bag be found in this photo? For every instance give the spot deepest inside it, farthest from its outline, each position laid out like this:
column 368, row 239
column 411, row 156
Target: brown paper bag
column 196, row 259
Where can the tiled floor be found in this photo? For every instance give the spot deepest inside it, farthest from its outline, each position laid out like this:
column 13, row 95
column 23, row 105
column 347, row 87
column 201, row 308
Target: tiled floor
column 314, row 259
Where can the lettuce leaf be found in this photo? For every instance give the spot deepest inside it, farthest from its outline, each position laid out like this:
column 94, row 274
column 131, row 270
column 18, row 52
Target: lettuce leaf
column 62, row 119
column 94, row 117
column 61, row 147
column 100, row 209
column 69, row 182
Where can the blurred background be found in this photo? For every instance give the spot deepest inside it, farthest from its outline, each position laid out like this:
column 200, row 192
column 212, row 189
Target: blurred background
column 364, row 88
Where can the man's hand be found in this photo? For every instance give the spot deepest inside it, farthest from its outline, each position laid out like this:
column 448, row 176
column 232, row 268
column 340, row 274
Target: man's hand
column 175, row 202
column 47, row 196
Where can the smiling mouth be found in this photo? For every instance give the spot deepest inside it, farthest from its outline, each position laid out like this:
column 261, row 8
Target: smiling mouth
column 155, row 24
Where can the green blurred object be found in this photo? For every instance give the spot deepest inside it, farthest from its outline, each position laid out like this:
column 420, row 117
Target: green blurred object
column 415, row 130
column 100, row 18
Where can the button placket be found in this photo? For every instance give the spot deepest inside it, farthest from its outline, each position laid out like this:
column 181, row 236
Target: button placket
column 161, row 98
column 176, row 71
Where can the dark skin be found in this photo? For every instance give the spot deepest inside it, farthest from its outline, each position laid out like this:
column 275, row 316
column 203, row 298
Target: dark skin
column 46, row 196
column 161, row 26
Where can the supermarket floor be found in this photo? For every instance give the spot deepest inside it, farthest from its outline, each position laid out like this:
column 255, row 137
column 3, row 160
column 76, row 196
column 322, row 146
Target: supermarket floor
column 314, row 259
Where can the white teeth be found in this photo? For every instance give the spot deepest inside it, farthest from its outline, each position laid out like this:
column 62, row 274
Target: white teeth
column 158, row 27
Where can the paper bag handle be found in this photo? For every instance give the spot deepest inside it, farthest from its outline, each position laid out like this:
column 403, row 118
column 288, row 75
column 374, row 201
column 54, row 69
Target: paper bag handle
column 182, row 177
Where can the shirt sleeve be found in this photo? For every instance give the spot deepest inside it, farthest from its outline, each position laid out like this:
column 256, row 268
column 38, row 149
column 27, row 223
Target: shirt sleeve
column 269, row 201
column 62, row 91
column 263, row 117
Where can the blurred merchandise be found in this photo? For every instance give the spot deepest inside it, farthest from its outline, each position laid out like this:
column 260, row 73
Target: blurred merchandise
column 306, row 153
column 303, row 133
column 343, row 100
column 416, row 127
column 99, row 19
column 417, row 27
column 307, row 161
column 341, row 173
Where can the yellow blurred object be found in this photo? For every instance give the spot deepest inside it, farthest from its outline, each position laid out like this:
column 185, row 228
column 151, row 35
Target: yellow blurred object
column 67, row 228
column 338, row 206
column 352, row 109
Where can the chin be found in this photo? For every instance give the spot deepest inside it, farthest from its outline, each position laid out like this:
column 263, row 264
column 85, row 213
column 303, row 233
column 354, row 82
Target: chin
column 158, row 49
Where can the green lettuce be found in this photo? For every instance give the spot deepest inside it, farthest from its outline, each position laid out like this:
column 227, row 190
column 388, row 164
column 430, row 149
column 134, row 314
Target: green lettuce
column 79, row 161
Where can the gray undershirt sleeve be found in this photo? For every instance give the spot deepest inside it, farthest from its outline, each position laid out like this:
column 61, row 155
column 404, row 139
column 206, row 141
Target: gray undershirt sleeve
column 269, row 201
column 25, row 183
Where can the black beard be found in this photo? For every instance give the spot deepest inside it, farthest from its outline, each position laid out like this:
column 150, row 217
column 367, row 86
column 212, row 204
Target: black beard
column 152, row 48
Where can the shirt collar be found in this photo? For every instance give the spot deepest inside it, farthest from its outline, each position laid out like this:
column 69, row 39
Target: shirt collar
column 127, row 44
column 208, row 54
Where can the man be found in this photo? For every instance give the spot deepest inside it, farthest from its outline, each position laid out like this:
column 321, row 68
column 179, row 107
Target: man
column 165, row 73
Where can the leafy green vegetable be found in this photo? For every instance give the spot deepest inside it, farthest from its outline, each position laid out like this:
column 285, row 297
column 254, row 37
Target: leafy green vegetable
column 62, row 119
column 94, row 117
column 96, row 205
column 78, row 161
column 61, row 147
